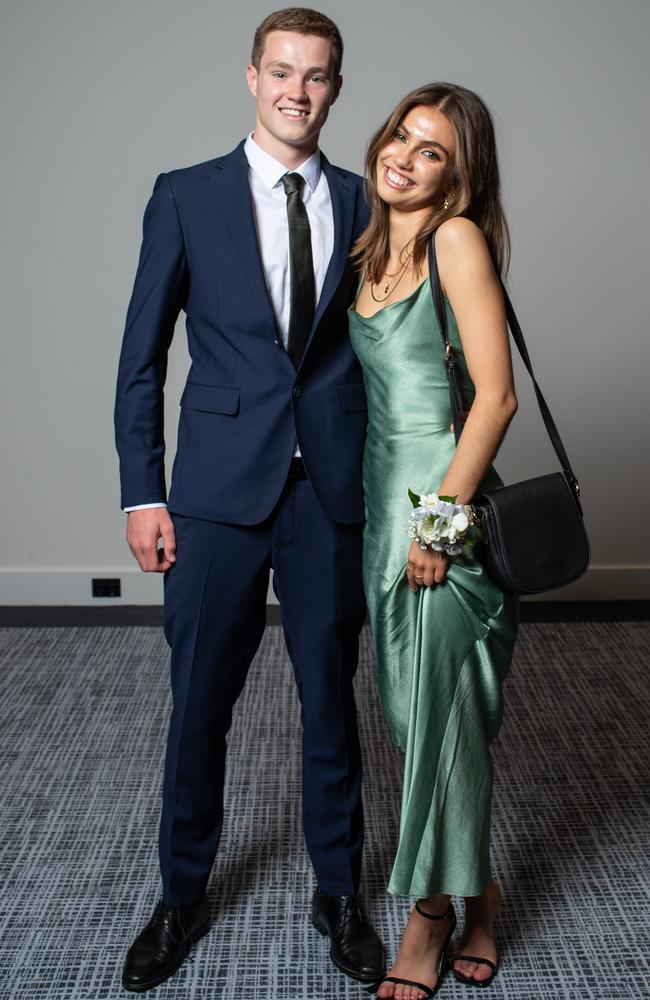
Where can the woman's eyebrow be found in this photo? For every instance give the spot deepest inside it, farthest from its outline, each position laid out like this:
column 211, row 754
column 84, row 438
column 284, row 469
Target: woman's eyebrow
column 425, row 142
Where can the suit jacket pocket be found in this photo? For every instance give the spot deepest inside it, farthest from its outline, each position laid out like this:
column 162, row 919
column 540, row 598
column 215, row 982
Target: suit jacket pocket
column 211, row 398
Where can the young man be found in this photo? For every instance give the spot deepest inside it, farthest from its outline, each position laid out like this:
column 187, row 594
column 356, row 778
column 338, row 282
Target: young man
column 254, row 247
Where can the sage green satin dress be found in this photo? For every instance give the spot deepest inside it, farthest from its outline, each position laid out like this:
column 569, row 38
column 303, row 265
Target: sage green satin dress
column 442, row 655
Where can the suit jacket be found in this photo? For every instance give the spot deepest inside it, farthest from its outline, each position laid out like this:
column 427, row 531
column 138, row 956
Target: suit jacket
column 244, row 404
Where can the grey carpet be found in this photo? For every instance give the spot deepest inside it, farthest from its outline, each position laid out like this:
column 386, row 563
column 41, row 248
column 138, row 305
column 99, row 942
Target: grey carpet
column 83, row 715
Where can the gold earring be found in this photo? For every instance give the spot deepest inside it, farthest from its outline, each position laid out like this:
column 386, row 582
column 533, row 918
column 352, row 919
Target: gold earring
column 445, row 204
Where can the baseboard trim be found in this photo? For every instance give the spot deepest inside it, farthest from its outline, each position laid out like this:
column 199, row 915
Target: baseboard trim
column 122, row 616
column 71, row 616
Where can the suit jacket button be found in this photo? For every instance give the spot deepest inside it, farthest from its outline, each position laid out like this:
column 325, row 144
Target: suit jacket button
column 297, row 392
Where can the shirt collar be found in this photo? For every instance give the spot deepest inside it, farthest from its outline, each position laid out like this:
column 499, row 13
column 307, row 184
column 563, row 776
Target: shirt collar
column 270, row 171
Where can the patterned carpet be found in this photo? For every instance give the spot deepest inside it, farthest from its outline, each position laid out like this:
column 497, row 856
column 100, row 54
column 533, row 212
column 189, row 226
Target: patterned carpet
column 82, row 718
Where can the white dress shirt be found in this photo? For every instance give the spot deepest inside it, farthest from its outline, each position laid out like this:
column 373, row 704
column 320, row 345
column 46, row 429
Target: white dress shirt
column 270, row 209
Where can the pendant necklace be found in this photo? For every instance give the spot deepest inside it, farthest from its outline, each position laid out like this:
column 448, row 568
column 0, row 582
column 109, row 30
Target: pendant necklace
column 401, row 271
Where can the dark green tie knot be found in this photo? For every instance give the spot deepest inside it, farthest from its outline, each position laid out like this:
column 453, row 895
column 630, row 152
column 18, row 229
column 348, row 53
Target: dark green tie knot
column 292, row 183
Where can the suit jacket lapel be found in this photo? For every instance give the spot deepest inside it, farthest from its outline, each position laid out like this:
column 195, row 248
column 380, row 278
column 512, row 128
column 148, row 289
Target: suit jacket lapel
column 230, row 182
column 343, row 197
column 231, row 187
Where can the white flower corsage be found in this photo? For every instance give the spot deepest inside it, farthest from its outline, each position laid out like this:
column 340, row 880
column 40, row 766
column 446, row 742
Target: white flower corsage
column 439, row 523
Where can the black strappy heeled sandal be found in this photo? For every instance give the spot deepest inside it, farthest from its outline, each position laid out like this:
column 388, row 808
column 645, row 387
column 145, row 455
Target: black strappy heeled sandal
column 429, row 991
column 469, row 980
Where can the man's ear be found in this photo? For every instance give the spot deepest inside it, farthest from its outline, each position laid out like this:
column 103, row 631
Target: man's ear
column 338, row 83
column 251, row 79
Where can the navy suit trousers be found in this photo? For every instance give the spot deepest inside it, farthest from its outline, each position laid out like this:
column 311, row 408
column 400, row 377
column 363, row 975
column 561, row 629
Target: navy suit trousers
column 215, row 600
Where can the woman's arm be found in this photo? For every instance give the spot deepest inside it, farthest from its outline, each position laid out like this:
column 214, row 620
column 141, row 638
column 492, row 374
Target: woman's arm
column 468, row 277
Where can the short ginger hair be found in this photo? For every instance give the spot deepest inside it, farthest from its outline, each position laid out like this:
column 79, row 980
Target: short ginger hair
column 306, row 22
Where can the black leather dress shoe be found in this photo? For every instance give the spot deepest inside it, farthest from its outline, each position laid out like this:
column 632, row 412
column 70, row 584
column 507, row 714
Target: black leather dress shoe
column 159, row 949
column 355, row 948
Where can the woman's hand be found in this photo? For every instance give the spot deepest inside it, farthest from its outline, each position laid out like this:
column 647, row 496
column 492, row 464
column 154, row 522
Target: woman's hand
column 425, row 568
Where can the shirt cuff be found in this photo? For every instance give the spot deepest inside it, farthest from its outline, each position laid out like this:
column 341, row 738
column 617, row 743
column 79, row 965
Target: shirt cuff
column 144, row 506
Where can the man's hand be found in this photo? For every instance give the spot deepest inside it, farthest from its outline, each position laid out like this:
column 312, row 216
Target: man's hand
column 143, row 529
column 425, row 569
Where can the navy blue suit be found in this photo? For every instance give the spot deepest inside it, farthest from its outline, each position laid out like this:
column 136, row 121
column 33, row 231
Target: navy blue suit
column 237, row 514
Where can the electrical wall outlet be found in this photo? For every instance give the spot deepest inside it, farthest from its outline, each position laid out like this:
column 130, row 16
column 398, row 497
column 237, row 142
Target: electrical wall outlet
column 103, row 587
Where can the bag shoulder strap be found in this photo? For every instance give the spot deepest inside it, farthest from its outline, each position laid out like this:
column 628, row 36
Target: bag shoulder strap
column 518, row 337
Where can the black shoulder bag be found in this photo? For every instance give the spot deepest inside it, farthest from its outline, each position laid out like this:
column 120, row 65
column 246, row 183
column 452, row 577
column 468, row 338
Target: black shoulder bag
column 534, row 537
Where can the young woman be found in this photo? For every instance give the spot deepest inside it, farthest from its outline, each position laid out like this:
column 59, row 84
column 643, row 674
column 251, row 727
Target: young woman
column 443, row 632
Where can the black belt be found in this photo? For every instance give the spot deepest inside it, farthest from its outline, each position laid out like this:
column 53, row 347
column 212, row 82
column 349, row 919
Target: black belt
column 297, row 469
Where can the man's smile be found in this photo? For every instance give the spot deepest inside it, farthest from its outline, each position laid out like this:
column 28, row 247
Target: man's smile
column 293, row 112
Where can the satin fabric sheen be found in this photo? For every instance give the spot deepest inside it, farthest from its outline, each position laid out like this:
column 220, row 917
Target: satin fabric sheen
column 442, row 655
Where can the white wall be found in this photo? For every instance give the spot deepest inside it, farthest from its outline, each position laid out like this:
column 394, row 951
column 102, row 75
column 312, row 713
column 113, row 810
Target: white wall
column 99, row 97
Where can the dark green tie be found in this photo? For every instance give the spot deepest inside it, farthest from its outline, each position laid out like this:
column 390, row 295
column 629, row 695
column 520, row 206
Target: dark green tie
column 301, row 266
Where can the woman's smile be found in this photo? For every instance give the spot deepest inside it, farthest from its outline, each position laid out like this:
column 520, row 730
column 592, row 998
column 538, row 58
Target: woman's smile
column 397, row 180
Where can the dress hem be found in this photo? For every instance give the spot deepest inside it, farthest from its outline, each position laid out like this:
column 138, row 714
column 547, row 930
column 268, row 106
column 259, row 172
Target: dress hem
column 422, row 892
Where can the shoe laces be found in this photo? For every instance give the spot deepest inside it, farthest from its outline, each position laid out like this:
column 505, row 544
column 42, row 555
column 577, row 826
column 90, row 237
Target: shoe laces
column 351, row 909
column 165, row 915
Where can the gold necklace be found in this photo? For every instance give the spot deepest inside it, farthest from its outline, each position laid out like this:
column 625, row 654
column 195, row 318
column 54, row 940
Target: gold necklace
column 401, row 262
column 401, row 270
column 387, row 290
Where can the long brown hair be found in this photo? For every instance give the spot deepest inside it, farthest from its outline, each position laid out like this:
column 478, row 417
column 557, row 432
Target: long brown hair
column 475, row 179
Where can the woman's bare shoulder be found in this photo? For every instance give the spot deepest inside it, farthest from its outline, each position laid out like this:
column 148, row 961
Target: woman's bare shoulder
column 462, row 253
column 459, row 233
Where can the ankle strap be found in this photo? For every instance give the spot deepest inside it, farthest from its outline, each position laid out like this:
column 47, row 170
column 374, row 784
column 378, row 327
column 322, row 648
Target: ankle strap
column 433, row 916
